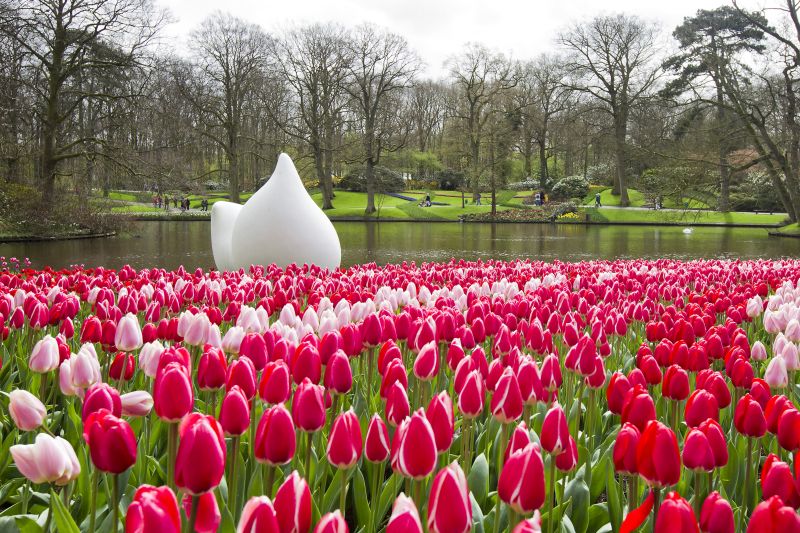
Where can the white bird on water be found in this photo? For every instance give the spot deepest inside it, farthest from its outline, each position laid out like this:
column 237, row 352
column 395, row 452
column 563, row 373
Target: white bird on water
column 688, row 231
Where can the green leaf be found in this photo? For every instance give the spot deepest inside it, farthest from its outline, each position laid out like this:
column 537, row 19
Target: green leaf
column 226, row 525
column 359, row 491
column 599, row 476
column 578, row 492
column 478, row 479
column 598, row 517
column 388, row 495
column 477, row 515
column 61, row 517
column 566, row 525
column 614, row 503
column 331, row 495
column 26, row 524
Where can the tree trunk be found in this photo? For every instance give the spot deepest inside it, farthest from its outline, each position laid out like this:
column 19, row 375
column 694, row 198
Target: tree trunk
column 542, row 164
column 370, row 176
column 722, row 145
column 475, row 171
column 233, row 174
column 620, row 133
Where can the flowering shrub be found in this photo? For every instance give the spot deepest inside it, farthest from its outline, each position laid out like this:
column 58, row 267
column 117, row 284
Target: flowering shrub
column 462, row 395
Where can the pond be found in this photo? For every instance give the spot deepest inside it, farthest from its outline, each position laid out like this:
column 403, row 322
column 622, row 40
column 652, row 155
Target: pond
column 170, row 244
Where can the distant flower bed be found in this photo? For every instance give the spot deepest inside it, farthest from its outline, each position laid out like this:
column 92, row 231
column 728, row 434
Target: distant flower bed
column 546, row 213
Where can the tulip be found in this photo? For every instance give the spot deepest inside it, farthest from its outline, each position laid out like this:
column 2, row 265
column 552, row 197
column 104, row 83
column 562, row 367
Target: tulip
column 625, row 445
column 789, row 429
column 521, row 482
column 91, row 330
column 440, row 415
column 234, row 413
column 112, row 444
column 293, row 505
column 700, row 406
column 377, row 446
column 776, row 375
column 212, row 369
column 638, row 408
column 232, row 340
column 150, row 357
column 345, row 441
column 519, row 439
column 772, row 516
column 449, row 506
column 128, row 334
column 275, row 441
column 258, row 516
column 675, row 514
column 716, row 439
column 404, row 518
column 44, row 356
column 555, row 432
column 122, row 366
column 530, row 525
column 657, row 456
column 26, row 410
column 242, row 372
column 206, row 517
column 275, row 387
column 47, row 460
column 618, row 387
column 507, row 403
column 308, row 407
column 101, row 396
column 426, row 364
column 414, row 447
column 84, row 368
column 716, row 515
column 332, row 523
column 338, row 373
column 773, row 411
column 749, row 418
column 675, row 385
column 471, row 396
column 397, row 405
column 200, row 462
column 777, row 480
column 197, row 332
column 697, row 453
column 153, row 509
column 568, row 459
column 136, row 403
column 173, row 395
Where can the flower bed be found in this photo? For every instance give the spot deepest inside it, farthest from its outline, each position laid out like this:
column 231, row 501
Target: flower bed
column 524, row 396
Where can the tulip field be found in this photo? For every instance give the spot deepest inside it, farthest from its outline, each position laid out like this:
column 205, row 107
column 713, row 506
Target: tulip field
column 444, row 397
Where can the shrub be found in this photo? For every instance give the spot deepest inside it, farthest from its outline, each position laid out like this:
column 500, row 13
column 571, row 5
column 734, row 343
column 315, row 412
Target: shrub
column 571, row 187
column 385, row 180
column 449, row 180
column 527, row 185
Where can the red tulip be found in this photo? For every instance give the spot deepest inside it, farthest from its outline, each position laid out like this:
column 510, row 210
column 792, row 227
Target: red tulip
column 200, row 462
column 338, row 373
column 697, row 452
column 700, row 406
column 308, row 407
column 275, row 441
column 153, row 509
column 715, row 383
column 242, row 372
column 404, row 518
column 91, row 330
column 112, row 444
column 618, row 387
column 568, row 459
column 530, row 525
column 471, row 395
column 518, row 440
column 293, row 505
column 208, row 516
column 414, row 447
column 377, row 446
column 212, row 369
column 345, row 442
column 521, row 482
column 426, row 364
column 101, row 396
column 777, row 480
column 675, row 514
column 173, row 396
column 749, row 417
column 449, row 506
column 332, row 523
column 254, row 347
column 121, row 367
column 716, row 439
column 397, row 406
column 440, row 416
column 507, row 403
column 772, row 516
column 274, row 387
column 258, row 516
column 234, row 413
column 716, row 516
column 625, row 449
column 657, row 456
column 306, row 364
column 555, row 432
column 789, row 429
column 676, row 384
column 773, row 411
column 551, row 373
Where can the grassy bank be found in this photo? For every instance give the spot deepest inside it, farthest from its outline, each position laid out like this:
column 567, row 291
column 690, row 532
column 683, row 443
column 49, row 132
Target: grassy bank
column 685, row 217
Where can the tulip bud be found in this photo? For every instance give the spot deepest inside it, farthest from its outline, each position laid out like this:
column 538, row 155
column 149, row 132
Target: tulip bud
column 308, row 407
column 173, row 395
column 232, row 341
column 338, row 373
column 697, row 452
column 555, row 433
column 332, row 523
column 414, row 447
column 531, row 525
column 772, row 516
column 207, row 517
column 44, row 356
column 153, row 509
column 749, row 417
column 293, row 505
column 506, row 403
column 26, row 410
column 84, row 368
column 274, row 387
column 773, row 411
column 449, row 506
column 258, row 516
column 200, row 462
column 675, row 385
column 657, row 455
column 128, row 334
column 700, row 406
column 121, row 367
column 242, row 372
column 404, row 518
column 101, row 396
column 112, row 444
column 426, row 364
column 345, row 442
column 716, row 439
column 568, row 459
column 471, row 395
column 521, row 482
column 377, row 445
column 440, row 416
column 638, row 408
column 518, row 440
column 275, row 441
column 136, row 403
column 47, row 460
column 618, row 387
column 397, row 406
column 675, row 514
column 234, row 413
column 777, row 480
column 789, row 430
column 716, row 516
column 212, row 369
column 625, row 449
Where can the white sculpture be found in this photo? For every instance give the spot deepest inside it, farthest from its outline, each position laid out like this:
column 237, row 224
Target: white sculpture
column 279, row 224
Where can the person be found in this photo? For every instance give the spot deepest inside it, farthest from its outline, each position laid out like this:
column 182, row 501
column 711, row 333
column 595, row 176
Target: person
column 166, row 203
column 537, row 199
column 427, row 200
column 175, row 202
column 478, row 199
column 597, row 200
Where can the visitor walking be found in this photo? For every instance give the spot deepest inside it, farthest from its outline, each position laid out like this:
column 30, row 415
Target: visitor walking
column 597, row 200
column 166, row 203
column 478, row 199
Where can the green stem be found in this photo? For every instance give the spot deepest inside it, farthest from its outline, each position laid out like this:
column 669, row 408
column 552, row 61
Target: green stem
column 656, row 505
column 93, row 499
column 234, row 483
column 172, row 450
column 551, row 501
column 49, row 515
column 377, row 471
column 698, row 500
column 307, row 463
column 115, row 500
column 343, row 491
column 748, row 476
column 269, row 479
column 193, row 515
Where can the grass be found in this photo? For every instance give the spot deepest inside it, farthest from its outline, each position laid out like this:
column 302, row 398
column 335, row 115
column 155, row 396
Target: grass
column 792, row 230
column 637, row 199
column 687, row 217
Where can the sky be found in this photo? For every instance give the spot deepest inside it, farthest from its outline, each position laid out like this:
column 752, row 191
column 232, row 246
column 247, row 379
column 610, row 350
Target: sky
column 438, row 29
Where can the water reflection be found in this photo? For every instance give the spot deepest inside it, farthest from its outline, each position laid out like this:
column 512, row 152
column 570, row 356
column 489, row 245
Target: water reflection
column 169, row 244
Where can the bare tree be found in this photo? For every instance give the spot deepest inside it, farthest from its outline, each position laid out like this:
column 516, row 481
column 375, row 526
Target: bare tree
column 383, row 66
column 427, row 111
column 230, row 62
column 478, row 76
column 612, row 59
column 314, row 61
column 59, row 36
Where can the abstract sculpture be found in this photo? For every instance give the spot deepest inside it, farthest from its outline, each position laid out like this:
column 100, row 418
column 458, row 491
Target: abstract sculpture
column 279, row 224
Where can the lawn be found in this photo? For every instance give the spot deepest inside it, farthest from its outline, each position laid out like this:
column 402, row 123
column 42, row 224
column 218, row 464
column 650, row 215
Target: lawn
column 688, row 217
column 637, row 199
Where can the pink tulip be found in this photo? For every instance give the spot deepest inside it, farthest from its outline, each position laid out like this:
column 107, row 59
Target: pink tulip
column 47, row 460
column 332, row 523
column 128, row 334
column 404, row 518
column 293, row 505
column 136, row 403
column 449, row 506
column 258, row 516
column 377, row 446
column 345, row 442
column 44, row 357
column 414, row 447
column 208, row 516
column 153, row 509
column 440, row 416
column 26, row 410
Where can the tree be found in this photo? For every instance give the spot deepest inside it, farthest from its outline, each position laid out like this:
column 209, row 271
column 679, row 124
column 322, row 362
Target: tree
column 60, row 37
column 383, row 66
column 611, row 59
column 710, row 42
column 478, row 76
column 230, row 63
column 314, row 60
